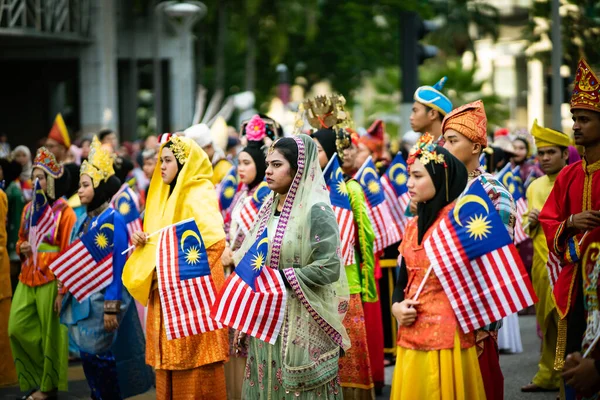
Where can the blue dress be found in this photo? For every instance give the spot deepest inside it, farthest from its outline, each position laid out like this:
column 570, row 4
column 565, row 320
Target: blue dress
column 113, row 362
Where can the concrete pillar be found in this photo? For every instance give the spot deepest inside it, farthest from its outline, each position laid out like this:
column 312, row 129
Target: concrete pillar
column 98, row 71
column 535, row 92
column 182, row 82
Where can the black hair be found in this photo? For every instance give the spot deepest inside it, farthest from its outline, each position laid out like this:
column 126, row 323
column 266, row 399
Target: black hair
column 169, row 145
column 440, row 115
column 522, row 139
column 289, row 149
column 104, row 133
column 10, row 170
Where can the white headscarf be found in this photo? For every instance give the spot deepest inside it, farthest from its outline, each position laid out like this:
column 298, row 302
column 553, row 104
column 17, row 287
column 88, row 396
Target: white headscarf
column 26, row 170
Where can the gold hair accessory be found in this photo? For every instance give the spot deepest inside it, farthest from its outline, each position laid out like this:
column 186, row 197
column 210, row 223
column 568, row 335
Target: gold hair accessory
column 180, row 149
column 99, row 165
column 424, row 151
column 323, row 112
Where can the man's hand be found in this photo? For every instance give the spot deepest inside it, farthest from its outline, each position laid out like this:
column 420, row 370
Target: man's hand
column 26, row 249
column 533, row 218
column 581, row 374
column 584, row 221
column 405, row 312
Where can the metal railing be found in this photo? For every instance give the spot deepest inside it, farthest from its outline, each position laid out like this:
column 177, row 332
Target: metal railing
column 52, row 19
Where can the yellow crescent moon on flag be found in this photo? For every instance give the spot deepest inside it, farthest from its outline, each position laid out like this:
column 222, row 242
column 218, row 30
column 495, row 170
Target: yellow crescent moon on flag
column 109, row 226
column 470, row 198
column 338, row 173
column 366, row 172
column 394, row 176
column 125, row 194
column 505, row 178
column 265, row 240
column 187, row 233
column 230, row 178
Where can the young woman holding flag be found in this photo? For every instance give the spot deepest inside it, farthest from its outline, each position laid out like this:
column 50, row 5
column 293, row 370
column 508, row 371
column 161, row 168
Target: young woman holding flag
column 105, row 327
column 190, row 366
column 38, row 341
column 302, row 362
column 435, row 359
column 355, row 367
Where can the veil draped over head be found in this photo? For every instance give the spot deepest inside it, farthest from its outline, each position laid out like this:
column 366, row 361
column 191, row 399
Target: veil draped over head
column 191, row 194
column 306, row 247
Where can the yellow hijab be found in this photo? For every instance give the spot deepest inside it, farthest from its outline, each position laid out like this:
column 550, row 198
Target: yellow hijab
column 193, row 196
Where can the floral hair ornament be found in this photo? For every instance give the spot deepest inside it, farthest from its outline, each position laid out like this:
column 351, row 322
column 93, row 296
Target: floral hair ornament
column 180, row 149
column 424, row 150
column 256, row 129
column 99, row 165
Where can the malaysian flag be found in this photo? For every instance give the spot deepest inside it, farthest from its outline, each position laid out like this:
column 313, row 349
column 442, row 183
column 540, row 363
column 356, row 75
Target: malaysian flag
column 396, row 191
column 249, row 211
column 41, row 220
column 340, row 202
column 378, row 209
column 253, row 297
column 227, row 189
column 126, row 203
column 185, row 284
column 477, row 264
column 511, row 179
column 483, row 161
column 86, row 266
column 553, row 265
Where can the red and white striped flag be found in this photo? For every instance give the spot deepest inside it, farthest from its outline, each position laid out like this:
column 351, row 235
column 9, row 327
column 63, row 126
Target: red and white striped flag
column 41, row 220
column 477, row 263
column 126, row 202
column 520, row 235
column 185, row 284
column 254, row 296
column 396, row 191
column 378, row 210
column 553, row 265
column 86, row 266
column 340, row 203
column 251, row 206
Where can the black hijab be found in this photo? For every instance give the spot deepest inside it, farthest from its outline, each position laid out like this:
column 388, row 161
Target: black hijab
column 449, row 181
column 254, row 149
column 326, row 138
column 104, row 192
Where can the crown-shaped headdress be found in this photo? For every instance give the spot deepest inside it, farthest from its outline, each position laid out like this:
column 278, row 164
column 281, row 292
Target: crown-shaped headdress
column 586, row 93
column 99, row 165
column 45, row 160
column 424, row 150
column 323, row 112
column 180, row 149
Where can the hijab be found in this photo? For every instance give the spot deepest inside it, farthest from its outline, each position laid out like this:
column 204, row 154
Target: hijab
column 326, row 138
column 26, row 169
column 449, row 177
column 104, row 192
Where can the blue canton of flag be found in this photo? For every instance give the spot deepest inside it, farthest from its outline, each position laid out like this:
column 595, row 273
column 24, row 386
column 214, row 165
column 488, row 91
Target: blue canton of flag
column 253, row 298
column 192, row 258
column 41, row 220
column 227, row 189
column 397, row 174
column 368, row 178
column 482, row 161
column 124, row 203
column 340, row 202
column 511, row 179
column 85, row 267
column 394, row 183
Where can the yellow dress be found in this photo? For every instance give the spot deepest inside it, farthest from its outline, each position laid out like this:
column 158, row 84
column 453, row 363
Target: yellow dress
column 545, row 308
column 435, row 360
column 190, row 367
column 8, row 376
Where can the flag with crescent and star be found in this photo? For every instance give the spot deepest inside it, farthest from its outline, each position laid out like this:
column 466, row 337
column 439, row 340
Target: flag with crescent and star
column 41, row 220
column 252, row 300
column 378, row 209
column 185, row 283
column 227, row 189
column 394, row 183
column 86, row 266
column 340, row 202
column 477, row 263
column 252, row 204
column 511, row 179
column 126, row 202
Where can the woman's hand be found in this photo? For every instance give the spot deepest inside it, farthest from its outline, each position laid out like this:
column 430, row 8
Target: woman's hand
column 238, row 340
column 405, row 312
column 227, row 257
column 26, row 249
column 58, row 302
column 413, row 207
column 110, row 322
column 139, row 238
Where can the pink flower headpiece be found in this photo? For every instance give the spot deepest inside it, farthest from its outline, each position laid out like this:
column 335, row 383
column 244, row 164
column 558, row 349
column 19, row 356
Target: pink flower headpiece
column 256, row 130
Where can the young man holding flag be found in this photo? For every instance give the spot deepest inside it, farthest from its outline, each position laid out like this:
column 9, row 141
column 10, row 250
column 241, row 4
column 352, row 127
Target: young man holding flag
column 466, row 136
column 553, row 153
column 571, row 211
column 37, row 340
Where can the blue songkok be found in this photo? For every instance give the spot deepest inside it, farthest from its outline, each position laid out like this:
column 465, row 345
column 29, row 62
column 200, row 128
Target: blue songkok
column 432, row 97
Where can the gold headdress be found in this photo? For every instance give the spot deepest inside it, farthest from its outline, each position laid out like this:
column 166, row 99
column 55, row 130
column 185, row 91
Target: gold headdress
column 99, row 165
column 180, row 149
column 323, row 112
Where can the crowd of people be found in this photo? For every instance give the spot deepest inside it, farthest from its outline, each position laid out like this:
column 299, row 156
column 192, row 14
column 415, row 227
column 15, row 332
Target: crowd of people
column 298, row 266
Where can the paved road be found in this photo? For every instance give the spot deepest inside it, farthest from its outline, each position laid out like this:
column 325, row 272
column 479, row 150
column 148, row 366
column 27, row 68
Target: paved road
column 518, row 370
